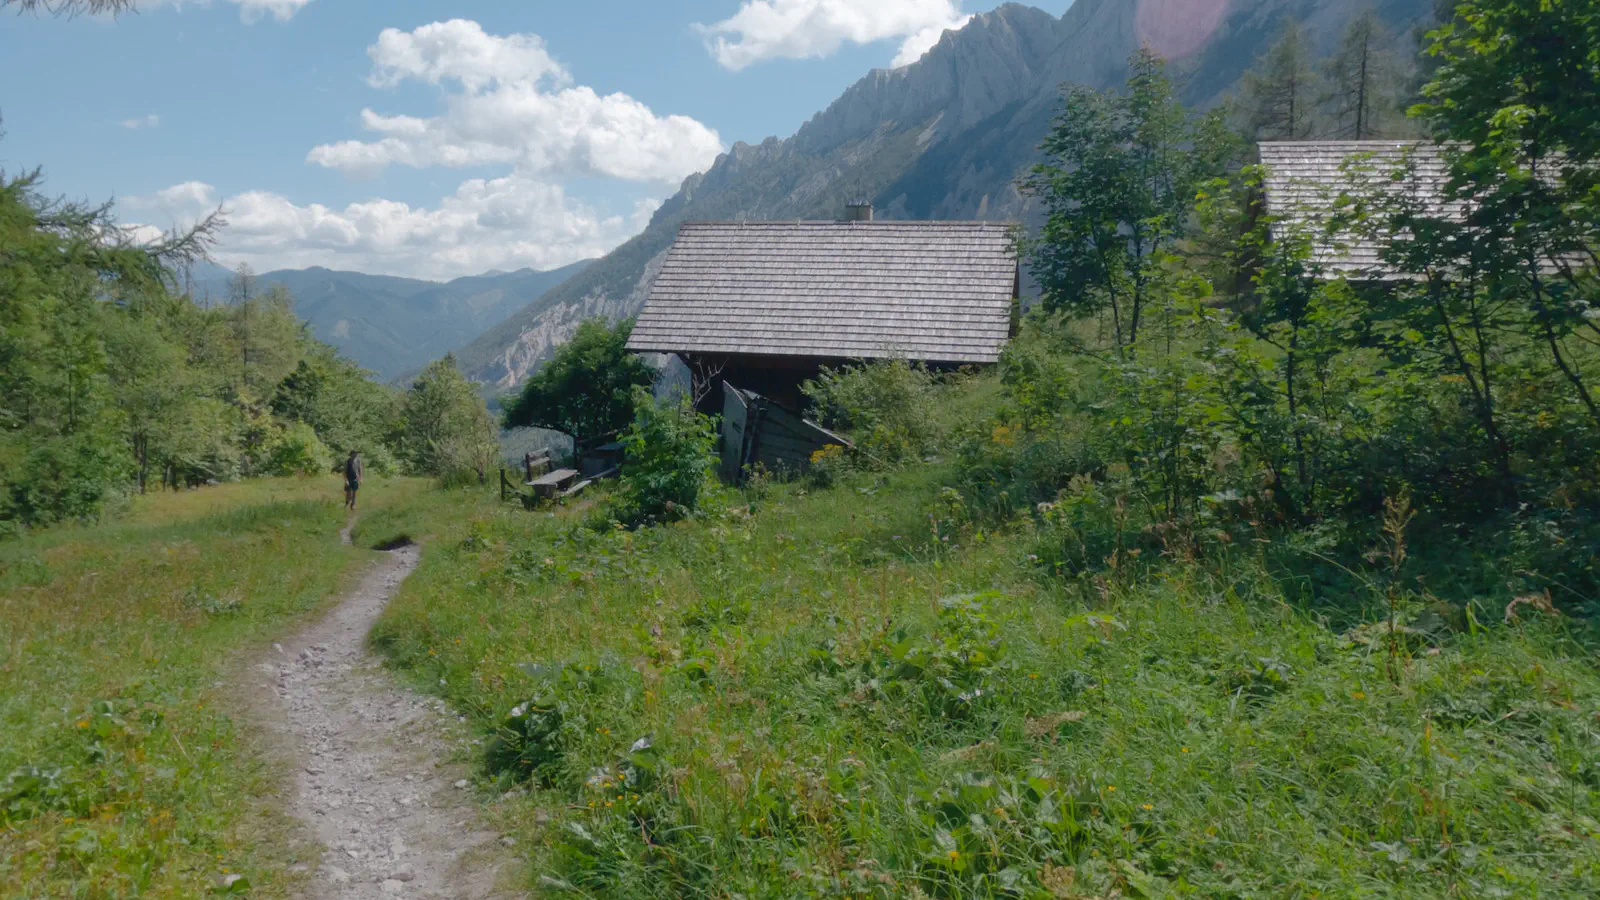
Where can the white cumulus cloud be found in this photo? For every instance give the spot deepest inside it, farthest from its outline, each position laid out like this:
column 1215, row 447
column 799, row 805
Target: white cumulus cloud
column 249, row 10
column 188, row 200
column 507, row 102
column 916, row 45
column 514, row 105
column 798, row 29
column 500, row 223
column 461, row 50
column 139, row 122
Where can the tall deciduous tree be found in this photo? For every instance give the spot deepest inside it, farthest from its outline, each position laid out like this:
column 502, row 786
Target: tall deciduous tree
column 68, row 277
column 1518, row 96
column 586, row 389
column 340, row 402
column 1118, row 183
column 1280, row 94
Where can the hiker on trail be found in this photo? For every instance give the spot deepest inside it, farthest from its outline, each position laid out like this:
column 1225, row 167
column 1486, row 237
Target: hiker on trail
column 352, row 479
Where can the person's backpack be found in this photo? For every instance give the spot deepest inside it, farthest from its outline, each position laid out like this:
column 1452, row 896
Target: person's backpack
column 350, row 469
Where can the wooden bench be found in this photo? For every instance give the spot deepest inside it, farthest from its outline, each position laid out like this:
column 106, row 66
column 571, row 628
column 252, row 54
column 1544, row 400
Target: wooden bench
column 550, row 485
column 537, row 466
column 578, row 488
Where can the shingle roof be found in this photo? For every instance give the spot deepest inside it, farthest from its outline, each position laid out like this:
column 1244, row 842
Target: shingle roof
column 930, row 291
column 1304, row 180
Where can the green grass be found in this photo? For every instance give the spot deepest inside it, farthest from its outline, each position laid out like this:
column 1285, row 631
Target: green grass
column 824, row 720
column 124, row 769
column 850, row 692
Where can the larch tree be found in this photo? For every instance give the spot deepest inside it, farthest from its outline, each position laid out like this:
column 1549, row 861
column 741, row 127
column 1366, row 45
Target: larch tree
column 1360, row 79
column 1280, row 94
column 72, row 7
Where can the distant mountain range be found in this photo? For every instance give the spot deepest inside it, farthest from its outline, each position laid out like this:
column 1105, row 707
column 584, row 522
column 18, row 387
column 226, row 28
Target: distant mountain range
column 943, row 138
column 395, row 326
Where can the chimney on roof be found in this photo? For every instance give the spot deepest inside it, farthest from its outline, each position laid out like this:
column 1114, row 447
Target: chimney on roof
column 858, row 212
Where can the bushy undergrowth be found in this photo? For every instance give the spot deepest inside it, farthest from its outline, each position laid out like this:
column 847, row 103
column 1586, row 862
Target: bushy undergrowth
column 870, row 691
column 668, row 461
column 891, row 407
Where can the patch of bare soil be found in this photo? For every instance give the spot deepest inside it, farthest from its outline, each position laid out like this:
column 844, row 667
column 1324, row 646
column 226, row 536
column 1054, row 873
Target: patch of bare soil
column 371, row 779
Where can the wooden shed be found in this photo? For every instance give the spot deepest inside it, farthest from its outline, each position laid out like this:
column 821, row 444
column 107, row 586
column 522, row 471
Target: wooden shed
column 756, row 430
column 767, row 304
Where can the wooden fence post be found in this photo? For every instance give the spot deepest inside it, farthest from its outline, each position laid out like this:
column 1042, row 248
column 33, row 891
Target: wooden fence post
column 502, row 484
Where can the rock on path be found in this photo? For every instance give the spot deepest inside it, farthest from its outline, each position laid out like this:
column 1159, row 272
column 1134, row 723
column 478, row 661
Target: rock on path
column 370, row 779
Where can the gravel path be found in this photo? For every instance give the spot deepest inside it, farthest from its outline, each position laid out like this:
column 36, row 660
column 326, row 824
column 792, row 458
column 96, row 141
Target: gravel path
column 371, row 781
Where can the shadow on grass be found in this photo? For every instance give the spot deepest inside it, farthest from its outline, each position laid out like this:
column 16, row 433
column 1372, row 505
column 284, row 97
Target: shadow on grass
column 398, row 542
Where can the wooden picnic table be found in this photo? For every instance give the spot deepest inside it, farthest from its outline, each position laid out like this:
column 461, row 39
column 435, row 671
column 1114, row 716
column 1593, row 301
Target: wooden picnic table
column 554, row 483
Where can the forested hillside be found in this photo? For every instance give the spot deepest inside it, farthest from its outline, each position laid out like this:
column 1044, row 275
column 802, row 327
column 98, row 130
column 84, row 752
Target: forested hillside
column 112, row 382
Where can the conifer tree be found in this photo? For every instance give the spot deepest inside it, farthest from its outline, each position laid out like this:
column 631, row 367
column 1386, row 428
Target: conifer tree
column 1360, row 79
column 72, row 7
column 1279, row 95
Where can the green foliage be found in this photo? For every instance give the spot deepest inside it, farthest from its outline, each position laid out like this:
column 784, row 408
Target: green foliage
column 296, row 450
column 446, row 429
column 890, row 408
column 111, row 384
column 348, row 410
column 1268, row 395
column 1117, row 186
column 528, row 743
column 1516, row 92
column 586, row 389
column 669, row 457
column 953, row 672
column 68, row 478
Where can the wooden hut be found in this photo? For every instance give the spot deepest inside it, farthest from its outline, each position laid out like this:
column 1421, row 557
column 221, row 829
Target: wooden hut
column 764, row 305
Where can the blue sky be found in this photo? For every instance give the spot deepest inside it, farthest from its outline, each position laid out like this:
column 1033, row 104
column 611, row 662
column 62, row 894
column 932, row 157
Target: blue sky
column 431, row 139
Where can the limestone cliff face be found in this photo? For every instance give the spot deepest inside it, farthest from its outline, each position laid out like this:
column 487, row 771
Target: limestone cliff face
column 943, row 138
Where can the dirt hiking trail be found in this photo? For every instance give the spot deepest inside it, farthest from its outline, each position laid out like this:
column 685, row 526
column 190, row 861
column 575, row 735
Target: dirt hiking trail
column 371, row 783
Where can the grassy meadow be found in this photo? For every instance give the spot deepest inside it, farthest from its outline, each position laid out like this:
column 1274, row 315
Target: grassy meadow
column 859, row 691
column 123, row 768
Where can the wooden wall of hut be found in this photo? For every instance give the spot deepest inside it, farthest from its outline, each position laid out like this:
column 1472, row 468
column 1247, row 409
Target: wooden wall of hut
column 760, row 431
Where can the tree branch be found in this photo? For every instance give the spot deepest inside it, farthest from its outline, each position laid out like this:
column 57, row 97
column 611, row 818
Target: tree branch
column 72, row 8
